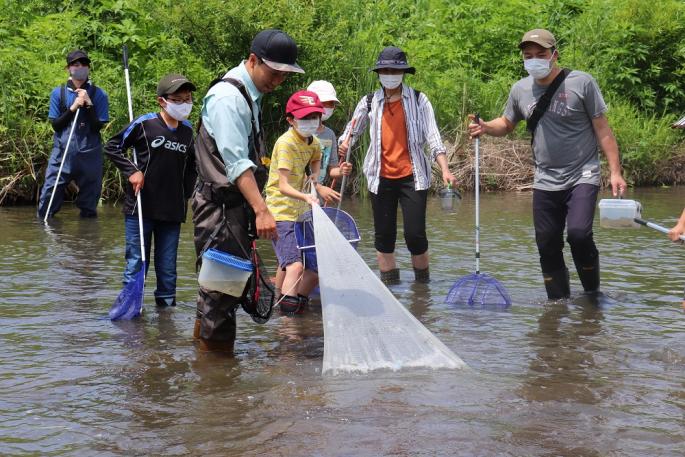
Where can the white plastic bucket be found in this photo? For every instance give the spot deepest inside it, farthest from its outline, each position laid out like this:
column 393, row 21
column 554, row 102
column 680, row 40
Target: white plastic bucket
column 222, row 272
column 619, row 213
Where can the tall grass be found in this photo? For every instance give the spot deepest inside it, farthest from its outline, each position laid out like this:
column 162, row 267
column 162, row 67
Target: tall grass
column 465, row 54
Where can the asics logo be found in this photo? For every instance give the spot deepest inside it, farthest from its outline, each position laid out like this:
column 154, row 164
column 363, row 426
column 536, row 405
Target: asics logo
column 170, row 145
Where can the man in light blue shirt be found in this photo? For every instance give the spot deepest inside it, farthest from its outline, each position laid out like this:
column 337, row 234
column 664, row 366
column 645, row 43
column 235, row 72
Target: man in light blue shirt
column 228, row 209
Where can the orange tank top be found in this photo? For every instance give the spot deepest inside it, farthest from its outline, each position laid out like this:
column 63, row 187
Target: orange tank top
column 395, row 160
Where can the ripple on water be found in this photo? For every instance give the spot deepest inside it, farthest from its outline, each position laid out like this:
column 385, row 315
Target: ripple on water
column 547, row 378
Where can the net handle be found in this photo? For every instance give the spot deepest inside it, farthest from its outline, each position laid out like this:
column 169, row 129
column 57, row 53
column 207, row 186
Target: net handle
column 477, row 186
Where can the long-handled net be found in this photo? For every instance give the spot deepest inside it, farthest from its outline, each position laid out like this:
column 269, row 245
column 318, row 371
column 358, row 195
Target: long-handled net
column 478, row 288
column 365, row 327
column 304, row 233
column 129, row 303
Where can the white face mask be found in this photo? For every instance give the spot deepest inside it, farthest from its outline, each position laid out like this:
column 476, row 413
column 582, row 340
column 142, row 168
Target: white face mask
column 538, row 68
column 306, row 127
column 327, row 113
column 179, row 112
column 391, row 81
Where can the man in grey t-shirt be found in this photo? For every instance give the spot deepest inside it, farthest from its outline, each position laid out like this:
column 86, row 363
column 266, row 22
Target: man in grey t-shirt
column 565, row 148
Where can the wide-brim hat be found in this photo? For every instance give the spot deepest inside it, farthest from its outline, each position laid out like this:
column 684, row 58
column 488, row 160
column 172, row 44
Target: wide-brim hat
column 395, row 58
column 277, row 49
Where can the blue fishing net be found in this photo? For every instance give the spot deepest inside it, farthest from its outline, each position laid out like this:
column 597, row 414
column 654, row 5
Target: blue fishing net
column 129, row 303
column 478, row 289
column 304, row 233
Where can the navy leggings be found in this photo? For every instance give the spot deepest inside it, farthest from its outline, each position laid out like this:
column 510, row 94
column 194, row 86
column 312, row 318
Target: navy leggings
column 573, row 208
column 413, row 203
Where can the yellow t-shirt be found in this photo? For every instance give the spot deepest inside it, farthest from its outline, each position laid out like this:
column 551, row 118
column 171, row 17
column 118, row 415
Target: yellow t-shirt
column 291, row 153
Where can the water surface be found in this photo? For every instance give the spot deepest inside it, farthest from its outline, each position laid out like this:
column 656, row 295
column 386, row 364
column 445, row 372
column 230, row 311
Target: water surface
column 547, row 378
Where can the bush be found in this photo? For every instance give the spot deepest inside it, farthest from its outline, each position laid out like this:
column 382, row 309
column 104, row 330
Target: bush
column 465, row 54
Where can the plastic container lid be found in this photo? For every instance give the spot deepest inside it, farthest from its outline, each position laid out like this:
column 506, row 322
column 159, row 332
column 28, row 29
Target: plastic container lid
column 228, row 259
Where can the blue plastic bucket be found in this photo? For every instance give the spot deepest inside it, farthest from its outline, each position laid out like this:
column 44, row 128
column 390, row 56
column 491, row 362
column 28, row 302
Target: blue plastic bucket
column 223, row 272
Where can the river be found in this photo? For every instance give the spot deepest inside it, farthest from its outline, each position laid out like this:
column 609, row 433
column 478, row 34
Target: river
column 547, row 378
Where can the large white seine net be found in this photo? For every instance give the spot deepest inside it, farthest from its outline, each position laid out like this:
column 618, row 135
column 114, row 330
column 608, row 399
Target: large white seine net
column 365, row 327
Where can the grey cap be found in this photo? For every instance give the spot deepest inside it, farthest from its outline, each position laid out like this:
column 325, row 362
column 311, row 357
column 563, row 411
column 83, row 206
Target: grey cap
column 540, row 37
column 172, row 83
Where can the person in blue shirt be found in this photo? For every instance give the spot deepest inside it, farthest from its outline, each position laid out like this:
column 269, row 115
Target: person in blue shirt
column 83, row 163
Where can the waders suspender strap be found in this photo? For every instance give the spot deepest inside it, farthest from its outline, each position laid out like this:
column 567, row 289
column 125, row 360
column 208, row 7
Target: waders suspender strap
column 223, row 222
column 543, row 103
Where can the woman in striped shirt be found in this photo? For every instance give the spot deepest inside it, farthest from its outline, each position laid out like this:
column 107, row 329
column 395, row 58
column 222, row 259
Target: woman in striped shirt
column 401, row 123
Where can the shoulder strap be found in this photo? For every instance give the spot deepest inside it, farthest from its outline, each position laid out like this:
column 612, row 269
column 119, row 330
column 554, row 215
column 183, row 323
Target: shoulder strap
column 91, row 92
column 417, row 93
column 62, row 98
column 544, row 101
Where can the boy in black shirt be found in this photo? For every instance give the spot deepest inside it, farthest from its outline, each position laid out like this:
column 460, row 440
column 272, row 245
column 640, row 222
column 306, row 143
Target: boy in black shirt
column 165, row 175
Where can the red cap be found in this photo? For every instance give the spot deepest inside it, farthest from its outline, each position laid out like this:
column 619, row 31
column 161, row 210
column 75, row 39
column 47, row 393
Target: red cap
column 303, row 103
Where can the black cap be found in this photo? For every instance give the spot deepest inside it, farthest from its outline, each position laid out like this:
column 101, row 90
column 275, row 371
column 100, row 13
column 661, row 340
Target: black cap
column 392, row 57
column 277, row 49
column 172, row 83
column 77, row 54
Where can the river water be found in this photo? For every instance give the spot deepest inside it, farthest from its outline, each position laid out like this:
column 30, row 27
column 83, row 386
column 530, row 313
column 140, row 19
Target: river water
column 547, row 378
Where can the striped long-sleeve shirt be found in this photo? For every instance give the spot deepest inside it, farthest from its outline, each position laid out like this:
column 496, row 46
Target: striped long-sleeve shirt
column 422, row 130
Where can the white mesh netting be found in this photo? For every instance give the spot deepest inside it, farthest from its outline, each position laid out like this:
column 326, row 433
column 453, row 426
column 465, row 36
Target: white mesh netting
column 365, row 327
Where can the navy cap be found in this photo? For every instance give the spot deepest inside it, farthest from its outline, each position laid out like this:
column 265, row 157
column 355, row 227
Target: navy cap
column 77, row 54
column 277, row 49
column 395, row 58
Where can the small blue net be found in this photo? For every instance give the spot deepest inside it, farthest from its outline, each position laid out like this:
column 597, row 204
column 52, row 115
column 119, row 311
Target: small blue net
column 478, row 289
column 304, row 233
column 129, row 303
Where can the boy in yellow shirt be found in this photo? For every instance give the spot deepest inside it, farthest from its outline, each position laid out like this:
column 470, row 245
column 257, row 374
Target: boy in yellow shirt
column 293, row 152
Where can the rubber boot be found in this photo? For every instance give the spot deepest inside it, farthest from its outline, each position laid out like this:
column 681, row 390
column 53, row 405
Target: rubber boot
column 165, row 302
column 422, row 276
column 391, row 276
column 304, row 303
column 589, row 276
column 289, row 305
column 557, row 284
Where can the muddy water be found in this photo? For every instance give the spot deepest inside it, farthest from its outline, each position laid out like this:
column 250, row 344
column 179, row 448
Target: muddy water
column 547, row 378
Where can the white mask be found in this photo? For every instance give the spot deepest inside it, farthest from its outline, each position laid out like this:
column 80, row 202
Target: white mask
column 306, row 127
column 538, row 68
column 327, row 113
column 179, row 112
column 391, row 81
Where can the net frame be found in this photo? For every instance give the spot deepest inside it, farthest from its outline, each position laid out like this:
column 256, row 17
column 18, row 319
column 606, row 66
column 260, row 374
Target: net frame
column 304, row 233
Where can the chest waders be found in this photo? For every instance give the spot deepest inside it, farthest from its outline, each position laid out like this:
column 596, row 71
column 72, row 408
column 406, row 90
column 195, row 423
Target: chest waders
column 223, row 220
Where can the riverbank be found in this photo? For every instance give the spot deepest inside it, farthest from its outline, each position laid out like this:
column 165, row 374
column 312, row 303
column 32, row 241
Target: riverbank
column 506, row 165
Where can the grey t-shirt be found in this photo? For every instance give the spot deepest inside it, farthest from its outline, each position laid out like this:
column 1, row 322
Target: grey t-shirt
column 329, row 150
column 565, row 148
